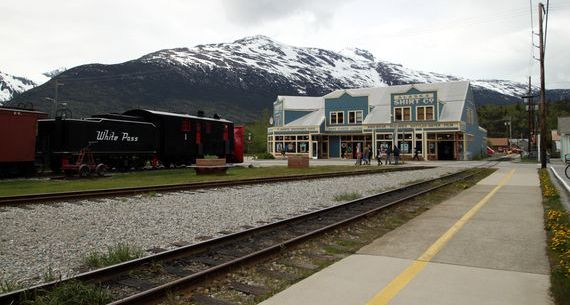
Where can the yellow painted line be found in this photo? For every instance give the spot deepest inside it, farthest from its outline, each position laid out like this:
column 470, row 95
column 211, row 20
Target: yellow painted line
column 396, row 285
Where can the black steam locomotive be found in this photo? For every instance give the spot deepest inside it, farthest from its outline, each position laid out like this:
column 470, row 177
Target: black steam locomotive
column 138, row 138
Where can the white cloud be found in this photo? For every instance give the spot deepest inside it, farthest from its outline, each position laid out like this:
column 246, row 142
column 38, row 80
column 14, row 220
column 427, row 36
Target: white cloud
column 475, row 39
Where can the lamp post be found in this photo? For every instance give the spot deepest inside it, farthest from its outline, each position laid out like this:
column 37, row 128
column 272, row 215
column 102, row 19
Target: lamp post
column 509, row 123
column 54, row 99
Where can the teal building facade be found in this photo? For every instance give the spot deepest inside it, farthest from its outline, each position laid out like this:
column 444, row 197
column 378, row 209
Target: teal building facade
column 439, row 120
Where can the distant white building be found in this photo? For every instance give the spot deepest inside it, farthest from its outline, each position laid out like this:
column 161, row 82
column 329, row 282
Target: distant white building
column 564, row 132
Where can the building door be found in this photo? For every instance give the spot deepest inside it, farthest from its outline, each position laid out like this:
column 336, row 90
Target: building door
column 324, row 151
column 445, row 150
column 315, row 150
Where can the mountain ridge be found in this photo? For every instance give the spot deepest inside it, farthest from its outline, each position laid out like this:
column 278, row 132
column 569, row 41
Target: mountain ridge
column 238, row 79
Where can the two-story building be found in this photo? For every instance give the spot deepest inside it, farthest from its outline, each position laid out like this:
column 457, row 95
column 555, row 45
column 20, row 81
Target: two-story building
column 437, row 119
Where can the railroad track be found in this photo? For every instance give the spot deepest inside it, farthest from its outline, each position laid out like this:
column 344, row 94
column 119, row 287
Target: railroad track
column 146, row 279
column 78, row 195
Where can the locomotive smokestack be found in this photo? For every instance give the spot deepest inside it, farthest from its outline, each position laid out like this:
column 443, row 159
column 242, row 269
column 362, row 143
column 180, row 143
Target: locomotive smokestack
column 201, row 113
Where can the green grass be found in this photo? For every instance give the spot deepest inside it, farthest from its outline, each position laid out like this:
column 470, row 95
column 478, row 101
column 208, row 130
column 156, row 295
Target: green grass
column 152, row 178
column 50, row 275
column 116, row 254
column 347, row 196
column 9, row 285
column 72, row 293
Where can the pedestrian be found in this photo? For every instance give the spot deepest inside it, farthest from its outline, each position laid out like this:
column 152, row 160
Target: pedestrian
column 417, row 153
column 379, row 155
column 388, row 153
column 369, row 154
column 365, row 158
column 396, row 154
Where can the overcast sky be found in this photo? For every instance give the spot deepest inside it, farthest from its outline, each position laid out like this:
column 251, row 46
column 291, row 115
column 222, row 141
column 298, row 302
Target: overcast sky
column 482, row 39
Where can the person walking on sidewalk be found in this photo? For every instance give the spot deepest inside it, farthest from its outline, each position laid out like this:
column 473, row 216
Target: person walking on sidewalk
column 369, row 154
column 358, row 155
column 365, row 156
column 396, row 154
column 388, row 153
column 416, row 153
column 379, row 155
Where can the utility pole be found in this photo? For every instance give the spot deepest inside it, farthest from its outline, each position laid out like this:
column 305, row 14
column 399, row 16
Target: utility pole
column 542, row 91
column 530, row 114
column 54, row 106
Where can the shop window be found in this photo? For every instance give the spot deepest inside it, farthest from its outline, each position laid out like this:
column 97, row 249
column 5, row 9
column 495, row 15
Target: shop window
column 336, row 117
column 406, row 147
column 418, row 135
column 469, row 118
column 424, row 113
column 303, row 147
column 355, row 117
column 402, row 113
column 431, row 148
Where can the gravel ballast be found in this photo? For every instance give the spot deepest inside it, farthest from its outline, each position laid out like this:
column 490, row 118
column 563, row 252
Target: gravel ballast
column 38, row 238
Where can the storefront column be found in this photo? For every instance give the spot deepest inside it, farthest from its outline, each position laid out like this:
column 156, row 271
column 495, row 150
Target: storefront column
column 464, row 146
column 310, row 146
column 424, row 145
column 374, row 143
column 274, row 144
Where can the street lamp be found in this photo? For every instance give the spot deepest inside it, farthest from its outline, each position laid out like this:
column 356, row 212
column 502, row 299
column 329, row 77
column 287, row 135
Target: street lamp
column 509, row 123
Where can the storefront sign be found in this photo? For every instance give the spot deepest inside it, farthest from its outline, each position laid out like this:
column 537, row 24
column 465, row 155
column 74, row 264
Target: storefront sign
column 292, row 129
column 416, row 125
column 344, row 128
column 414, row 98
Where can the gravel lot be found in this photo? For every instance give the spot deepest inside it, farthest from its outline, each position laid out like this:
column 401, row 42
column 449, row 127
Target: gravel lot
column 37, row 238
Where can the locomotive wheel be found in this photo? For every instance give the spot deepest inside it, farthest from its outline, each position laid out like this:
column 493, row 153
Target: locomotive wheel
column 84, row 171
column 101, row 169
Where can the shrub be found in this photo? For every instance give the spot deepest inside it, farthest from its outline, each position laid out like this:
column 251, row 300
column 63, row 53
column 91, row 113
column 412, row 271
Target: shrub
column 72, row 293
column 347, row 196
column 264, row 155
column 116, row 254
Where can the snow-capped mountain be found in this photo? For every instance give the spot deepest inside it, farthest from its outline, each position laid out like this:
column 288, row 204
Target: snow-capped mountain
column 349, row 68
column 11, row 85
column 238, row 79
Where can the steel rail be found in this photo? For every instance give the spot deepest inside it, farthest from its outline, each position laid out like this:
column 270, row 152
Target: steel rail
column 160, row 291
column 129, row 191
column 110, row 272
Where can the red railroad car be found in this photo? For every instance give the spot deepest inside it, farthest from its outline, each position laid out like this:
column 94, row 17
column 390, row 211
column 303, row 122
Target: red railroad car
column 18, row 129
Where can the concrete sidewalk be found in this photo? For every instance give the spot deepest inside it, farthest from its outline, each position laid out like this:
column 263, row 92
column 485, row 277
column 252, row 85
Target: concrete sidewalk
column 497, row 257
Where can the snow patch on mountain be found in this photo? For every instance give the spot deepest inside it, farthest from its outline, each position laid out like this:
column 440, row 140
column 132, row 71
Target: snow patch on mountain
column 503, row 86
column 301, row 66
column 348, row 68
column 10, row 85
